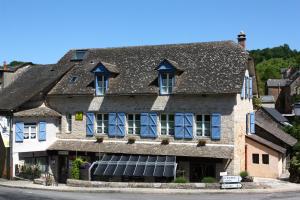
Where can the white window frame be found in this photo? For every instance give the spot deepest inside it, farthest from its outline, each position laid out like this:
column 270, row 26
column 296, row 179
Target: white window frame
column 69, row 122
column 167, row 91
column 102, row 123
column 167, row 124
column 134, row 127
column 30, row 132
column 202, row 125
column 101, row 87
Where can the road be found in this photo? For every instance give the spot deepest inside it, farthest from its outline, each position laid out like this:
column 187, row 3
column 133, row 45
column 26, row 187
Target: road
column 25, row 194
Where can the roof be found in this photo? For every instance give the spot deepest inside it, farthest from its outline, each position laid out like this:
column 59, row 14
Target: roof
column 15, row 68
column 208, row 68
column 142, row 148
column 41, row 111
column 266, row 143
column 275, row 114
column 278, row 82
column 267, row 99
column 268, row 124
column 30, row 83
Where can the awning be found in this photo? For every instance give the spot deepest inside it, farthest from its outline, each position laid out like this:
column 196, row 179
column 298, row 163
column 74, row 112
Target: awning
column 136, row 165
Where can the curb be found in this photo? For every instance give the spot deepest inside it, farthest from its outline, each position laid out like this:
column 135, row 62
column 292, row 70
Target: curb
column 153, row 190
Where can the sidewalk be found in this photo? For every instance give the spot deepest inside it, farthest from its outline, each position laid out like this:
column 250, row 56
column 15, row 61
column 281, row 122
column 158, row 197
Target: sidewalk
column 275, row 186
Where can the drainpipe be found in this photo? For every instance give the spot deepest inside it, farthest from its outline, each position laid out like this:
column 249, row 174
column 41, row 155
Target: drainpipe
column 246, row 157
column 11, row 166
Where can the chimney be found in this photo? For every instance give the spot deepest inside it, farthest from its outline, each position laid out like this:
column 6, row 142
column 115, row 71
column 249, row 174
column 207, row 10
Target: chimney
column 242, row 39
column 4, row 66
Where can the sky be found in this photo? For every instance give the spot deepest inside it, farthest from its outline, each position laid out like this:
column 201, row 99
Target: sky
column 42, row 31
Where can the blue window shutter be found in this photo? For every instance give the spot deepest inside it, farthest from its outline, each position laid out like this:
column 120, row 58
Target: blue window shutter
column 188, row 125
column 42, row 131
column 90, row 124
column 216, row 126
column 152, row 125
column 247, row 123
column 252, row 122
column 144, row 124
column 112, row 120
column 121, row 125
column 160, row 83
column 250, row 87
column 247, row 87
column 243, row 89
column 179, row 125
column 19, row 130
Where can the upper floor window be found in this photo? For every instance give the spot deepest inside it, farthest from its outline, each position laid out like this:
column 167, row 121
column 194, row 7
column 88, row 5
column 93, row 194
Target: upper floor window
column 134, row 123
column 79, row 55
column 102, row 123
column 166, row 83
column 167, row 124
column 203, row 125
column 101, row 84
column 265, row 159
column 29, row 131
column 69, row 122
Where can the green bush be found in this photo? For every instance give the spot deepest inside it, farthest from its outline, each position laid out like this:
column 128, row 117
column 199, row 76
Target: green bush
column 243, row 174
column 295, row 168
column 180, row 180
column 209, row 179
column 75, row 170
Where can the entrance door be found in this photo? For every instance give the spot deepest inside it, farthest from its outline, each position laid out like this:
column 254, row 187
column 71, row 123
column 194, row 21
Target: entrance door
column 200, row 170
column 62, row 169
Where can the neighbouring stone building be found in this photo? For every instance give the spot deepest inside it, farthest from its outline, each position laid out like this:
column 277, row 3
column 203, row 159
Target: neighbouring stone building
column 144, row 113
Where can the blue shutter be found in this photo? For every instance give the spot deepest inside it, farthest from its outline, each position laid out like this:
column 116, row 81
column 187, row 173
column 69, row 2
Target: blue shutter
column 247, row 123
column 120, row 125
column 252, row 122
column 160, row 83
column 144, row 124
column 247, row 87
column 90, row 124
column 188, row 125
column 243, row 90
column 152, row 125
column 42, row 131
column 250, row 87
column 179, row 125
column 216, row 126
column 112, row 119
column 19, row 130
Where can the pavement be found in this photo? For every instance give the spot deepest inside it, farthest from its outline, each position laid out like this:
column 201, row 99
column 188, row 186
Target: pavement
column 275, row 186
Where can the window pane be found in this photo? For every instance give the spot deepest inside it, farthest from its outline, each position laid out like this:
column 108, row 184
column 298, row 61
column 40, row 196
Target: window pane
column 137, row 124
column 207, row 125
column 199, row 125
column 130, row 130
column 265, row 159
column 255, row 158
column 130, row 117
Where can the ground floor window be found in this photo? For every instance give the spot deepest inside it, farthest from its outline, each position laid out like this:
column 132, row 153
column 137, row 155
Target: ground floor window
column 102, row 123
column 255, row 158
column 265, row 159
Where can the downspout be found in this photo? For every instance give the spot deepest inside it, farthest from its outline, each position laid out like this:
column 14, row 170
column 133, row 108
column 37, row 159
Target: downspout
column 246, row 157
column 11, row 167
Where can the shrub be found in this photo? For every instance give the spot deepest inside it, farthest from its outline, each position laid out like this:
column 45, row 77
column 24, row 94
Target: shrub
column 75, row 170
column 209, row 179
column 295, row 168
column 243, row 174
column 180, row 180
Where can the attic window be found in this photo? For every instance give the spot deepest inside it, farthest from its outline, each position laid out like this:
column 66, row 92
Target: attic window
column 73, row 79
column 79, row 55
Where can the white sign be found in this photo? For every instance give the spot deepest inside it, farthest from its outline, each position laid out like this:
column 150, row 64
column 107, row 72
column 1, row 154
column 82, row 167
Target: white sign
column 223, row 173
column 231, row 179
column 231, row 186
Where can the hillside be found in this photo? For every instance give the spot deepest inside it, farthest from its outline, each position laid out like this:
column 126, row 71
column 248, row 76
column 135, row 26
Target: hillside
column 269, row 61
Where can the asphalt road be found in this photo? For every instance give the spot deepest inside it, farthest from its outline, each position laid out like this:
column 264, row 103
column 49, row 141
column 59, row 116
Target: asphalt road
column 25, row 194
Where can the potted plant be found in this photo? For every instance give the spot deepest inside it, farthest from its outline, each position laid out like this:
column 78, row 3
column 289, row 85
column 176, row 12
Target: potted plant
column 201, row 143
column 165, row 141
column 131, row 140
column 99, row 138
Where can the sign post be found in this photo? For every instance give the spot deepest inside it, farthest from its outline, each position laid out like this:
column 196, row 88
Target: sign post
column 231, row 182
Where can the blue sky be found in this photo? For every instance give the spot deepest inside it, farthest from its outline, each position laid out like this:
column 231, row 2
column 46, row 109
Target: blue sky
column 41, row 31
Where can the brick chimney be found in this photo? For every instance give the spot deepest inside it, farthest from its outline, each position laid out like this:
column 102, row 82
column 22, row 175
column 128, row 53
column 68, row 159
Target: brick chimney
column 4, row 66
column 242, row 39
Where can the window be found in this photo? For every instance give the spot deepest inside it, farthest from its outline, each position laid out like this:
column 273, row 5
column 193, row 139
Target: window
column 265, row 159
column 166, row 124
column 134, row 123
column 102, row 123
column 101, row 84
column 73, row 79
column 29, row 131
column 255, row 158
column 69, row 122
column 79, row 55
column 203, row 125
column 166, row 83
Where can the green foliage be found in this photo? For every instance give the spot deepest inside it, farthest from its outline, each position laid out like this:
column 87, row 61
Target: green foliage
column 295, row 129
column 75, row 170
column 30, row 171
column 180, row 180
column 295, row 168
column 256, row 102
column 209, row 179
column 243, row 174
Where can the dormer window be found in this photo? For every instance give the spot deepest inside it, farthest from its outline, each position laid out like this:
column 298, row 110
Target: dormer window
column 101, row 84
column 79, row 55
column 167, row 70
column 103, row 72
column 167, row 81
